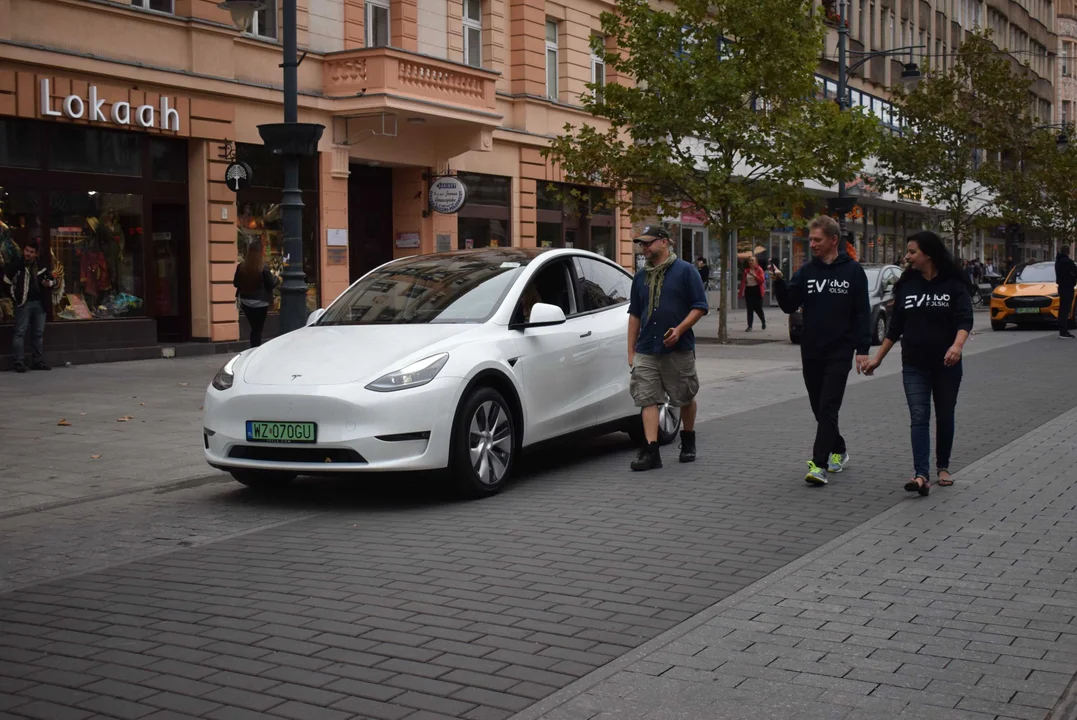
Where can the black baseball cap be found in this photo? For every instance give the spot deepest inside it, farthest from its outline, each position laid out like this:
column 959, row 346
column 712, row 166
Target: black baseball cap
column 653, row 232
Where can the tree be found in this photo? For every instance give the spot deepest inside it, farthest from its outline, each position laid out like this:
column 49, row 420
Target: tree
column 723, row 116
column 1046, row 187
column 963, row 126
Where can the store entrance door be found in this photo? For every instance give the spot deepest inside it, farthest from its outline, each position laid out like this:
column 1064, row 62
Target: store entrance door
column 170, row 258
column 370, row 219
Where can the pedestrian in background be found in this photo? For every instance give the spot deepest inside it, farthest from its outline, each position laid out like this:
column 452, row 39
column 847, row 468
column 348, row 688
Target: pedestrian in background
column 254, row 285
column 704, row 270
column 833, row 291
column 752, row 283
column 1066, row 278
column 933, row 318
column 29, row 284
column 667, row 300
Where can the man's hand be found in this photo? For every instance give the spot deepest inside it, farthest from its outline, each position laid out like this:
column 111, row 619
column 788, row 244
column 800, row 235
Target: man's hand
column 673, row 336
column 953, row 356
column 631, row 358
column 862, row 362
column 775, row 272
column 871, row 366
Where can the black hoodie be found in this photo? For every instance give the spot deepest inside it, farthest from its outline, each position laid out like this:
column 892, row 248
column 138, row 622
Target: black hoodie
column 837, row 311
column 927, row 316
column 1065, row 272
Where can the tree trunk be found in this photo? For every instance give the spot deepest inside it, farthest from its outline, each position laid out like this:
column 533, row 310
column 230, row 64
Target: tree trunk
column 726, row 274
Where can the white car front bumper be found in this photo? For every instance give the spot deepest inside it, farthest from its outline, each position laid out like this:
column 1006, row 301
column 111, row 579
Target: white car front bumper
column 358, row 430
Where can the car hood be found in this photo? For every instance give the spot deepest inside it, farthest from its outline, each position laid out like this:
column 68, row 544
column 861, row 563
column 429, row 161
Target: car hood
column 1047, row 288
column 338, row 355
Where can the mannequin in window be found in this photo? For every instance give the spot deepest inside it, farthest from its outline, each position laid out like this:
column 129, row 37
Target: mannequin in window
column 111, row 240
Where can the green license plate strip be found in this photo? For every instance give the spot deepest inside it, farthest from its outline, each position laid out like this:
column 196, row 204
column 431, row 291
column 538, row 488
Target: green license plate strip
column 282, row 432
column 1028, row 311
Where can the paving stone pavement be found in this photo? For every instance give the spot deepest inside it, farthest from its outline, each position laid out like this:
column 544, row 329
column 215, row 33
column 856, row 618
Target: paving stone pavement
column 417, row 608
column 958, row 606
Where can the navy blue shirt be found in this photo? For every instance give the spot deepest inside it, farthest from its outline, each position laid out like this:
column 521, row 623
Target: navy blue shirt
column 682, row 292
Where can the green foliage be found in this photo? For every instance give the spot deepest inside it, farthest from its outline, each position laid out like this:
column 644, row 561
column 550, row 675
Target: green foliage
column 724, row 115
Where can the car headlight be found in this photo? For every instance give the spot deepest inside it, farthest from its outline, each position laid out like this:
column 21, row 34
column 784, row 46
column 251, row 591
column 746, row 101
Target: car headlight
column 1053, row 295
column 414, row 375
column 225, row 376
column 998, row 296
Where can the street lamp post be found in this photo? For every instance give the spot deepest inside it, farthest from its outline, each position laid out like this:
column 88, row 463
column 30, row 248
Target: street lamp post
column 291, row 140
column 910, row 74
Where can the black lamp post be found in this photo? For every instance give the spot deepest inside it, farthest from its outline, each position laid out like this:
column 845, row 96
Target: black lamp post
column 292, row 140
column 910, row 76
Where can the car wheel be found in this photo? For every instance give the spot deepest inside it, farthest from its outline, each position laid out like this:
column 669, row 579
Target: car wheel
column 262, row 478
column 794, row 338
column 879, row 333
column 669, row 423
column 484, row 446
column 998, row 325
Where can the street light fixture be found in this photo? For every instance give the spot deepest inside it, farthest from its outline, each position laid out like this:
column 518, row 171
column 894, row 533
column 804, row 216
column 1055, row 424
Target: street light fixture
column 291, row 140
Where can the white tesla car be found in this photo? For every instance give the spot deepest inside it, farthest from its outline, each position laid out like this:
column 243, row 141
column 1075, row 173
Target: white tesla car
column 456, row 360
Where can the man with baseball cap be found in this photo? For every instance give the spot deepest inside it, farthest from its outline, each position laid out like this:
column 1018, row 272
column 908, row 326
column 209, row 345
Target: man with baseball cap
column 667, row 300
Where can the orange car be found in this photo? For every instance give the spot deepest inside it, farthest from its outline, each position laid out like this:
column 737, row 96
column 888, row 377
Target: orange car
column 1029, row 295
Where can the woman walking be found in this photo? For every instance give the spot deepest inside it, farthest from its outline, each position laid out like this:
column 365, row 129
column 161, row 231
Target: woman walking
column 752, row 283
column 932, row 318
column 254, row 285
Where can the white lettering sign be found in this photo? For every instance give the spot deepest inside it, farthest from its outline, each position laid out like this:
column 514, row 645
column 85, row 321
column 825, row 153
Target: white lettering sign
column 92, row 108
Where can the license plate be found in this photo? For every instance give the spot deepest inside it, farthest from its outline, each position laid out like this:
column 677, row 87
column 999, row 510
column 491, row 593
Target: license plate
column 281, row 432
column 1028, row 311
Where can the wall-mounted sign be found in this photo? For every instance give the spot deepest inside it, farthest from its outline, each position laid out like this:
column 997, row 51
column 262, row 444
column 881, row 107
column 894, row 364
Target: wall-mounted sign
column 444, row 243
column 336, row 256
column 336, row 237
column 91, row 108
column 238, row 176
column 407, row 240
column 447, row 195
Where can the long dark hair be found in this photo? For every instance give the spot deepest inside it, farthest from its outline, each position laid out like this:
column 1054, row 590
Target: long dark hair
column 250, row 270
column 932, row 245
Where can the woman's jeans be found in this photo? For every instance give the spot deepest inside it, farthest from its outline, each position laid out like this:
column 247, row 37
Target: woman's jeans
column 922, row 384
column 256, row 316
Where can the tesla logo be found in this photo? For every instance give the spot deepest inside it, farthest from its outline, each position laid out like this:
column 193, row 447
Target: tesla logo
column 927, row 300
column 295, row 376
column 839, row 287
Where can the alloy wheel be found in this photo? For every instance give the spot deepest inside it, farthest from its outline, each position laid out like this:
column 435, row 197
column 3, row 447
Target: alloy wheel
column 490, row 442
column 669, row 419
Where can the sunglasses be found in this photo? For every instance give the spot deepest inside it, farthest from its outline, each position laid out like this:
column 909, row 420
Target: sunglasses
column 647, row 243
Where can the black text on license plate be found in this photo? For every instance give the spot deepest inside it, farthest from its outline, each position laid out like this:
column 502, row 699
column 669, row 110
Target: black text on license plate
column 281, row 432
column 1028, row 311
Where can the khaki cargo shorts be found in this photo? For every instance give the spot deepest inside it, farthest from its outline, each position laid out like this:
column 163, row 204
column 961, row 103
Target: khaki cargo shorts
column 656, row 377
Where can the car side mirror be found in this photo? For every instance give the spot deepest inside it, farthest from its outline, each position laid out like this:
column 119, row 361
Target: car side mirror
column 544, row 315
column 314, row 316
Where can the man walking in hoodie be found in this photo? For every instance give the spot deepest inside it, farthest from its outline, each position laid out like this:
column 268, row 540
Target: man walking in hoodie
column 1066, row 277
column 833, row 291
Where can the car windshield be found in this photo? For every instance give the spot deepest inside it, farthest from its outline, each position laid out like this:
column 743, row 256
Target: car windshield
column 449, row 288
column 1038, row 273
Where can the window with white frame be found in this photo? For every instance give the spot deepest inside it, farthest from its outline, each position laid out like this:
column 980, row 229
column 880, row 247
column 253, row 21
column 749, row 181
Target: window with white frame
column 598, row 68
column 264, row 23
column 1067, row 54
column 377, row 23
column 473, row 33
column 552, row 59
column 165, row 6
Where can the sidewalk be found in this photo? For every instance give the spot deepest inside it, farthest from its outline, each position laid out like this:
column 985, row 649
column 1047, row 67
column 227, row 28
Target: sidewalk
column 961, row 605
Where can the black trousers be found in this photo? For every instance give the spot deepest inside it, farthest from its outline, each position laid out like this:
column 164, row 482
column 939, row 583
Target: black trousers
column 753, row 298
column 825, row 380
column 256, row 316
column 1065, row 303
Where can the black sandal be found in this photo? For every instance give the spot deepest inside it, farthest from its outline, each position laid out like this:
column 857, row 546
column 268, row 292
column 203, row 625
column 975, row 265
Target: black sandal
column 945, row 482
column 923, row 487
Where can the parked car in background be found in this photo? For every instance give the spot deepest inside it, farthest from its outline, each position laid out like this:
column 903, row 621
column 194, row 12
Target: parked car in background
column 881, row 281
column 1028, row 296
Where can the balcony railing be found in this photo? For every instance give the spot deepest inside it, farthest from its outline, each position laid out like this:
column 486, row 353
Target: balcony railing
column 391, row 71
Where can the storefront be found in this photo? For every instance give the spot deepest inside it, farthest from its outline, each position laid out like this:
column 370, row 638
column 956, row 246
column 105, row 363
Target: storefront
column 485, row 220
column 575, row 216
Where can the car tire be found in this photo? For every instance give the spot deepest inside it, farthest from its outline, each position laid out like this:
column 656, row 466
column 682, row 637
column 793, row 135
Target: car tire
column 794, row 338
column 997, row 325
column 262, row 479
column 669, row 425
column 878, row 329
column 483, row 444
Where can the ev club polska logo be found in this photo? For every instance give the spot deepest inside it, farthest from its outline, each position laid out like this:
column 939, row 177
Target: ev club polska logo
column 941, row 300
column 837, row 287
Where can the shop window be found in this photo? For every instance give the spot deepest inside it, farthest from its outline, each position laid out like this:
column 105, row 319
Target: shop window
column 20, row 225
column 601, row 285
column 168, row 160
column 552, row 64
column 477, row 232
column 473, row 32
column 377, row 23
column 165, row 6
column 260, row 223
column 548, row 235
column 101, row 152
column 95, row 246
column 20, row 144
column 602, row 202
column 269, row 168
column 264, row 23
column 487, row 189
column 602, row 241
column 547, row 196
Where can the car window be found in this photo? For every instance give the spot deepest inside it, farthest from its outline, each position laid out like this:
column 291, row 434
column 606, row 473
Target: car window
column 1038, row 273
column 551, row 285
column 600, row 285
column 890, row 276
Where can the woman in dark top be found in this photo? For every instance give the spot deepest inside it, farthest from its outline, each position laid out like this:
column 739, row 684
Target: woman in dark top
column 254, row 284
column 932, row 318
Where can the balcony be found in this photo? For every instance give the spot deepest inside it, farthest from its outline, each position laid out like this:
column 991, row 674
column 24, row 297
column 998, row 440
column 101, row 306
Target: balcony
column 398, row 76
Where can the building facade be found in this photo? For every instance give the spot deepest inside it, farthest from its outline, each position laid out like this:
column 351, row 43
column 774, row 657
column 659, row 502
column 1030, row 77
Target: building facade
column 1066, row 80
column 118, row 119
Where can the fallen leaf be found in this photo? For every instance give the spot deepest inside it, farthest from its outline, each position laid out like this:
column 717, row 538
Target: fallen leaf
column 184, row 384
column 82, row 413
column 125, row 418
column 95, row 457
column 64, row 423
column 142, row 404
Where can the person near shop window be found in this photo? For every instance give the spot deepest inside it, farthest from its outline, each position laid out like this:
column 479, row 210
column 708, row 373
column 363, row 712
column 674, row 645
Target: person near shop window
column 254, row 285
column 29, row 283
column 752, row 283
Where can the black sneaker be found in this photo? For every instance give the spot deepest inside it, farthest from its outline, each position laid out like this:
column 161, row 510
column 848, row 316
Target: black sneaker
column 20, row 368
column 1066, row 335
column 688, row 446
column 649, row 458
column 764, row 324
column 40, row 365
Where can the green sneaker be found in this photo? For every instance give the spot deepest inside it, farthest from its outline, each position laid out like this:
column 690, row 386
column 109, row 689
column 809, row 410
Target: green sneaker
column 816, row 475
column 837, row 462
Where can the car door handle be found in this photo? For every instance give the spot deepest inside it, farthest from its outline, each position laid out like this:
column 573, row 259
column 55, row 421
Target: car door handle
column 586, row 334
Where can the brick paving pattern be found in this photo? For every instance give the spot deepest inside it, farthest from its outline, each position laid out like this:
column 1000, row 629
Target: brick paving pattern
column 476, row 610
